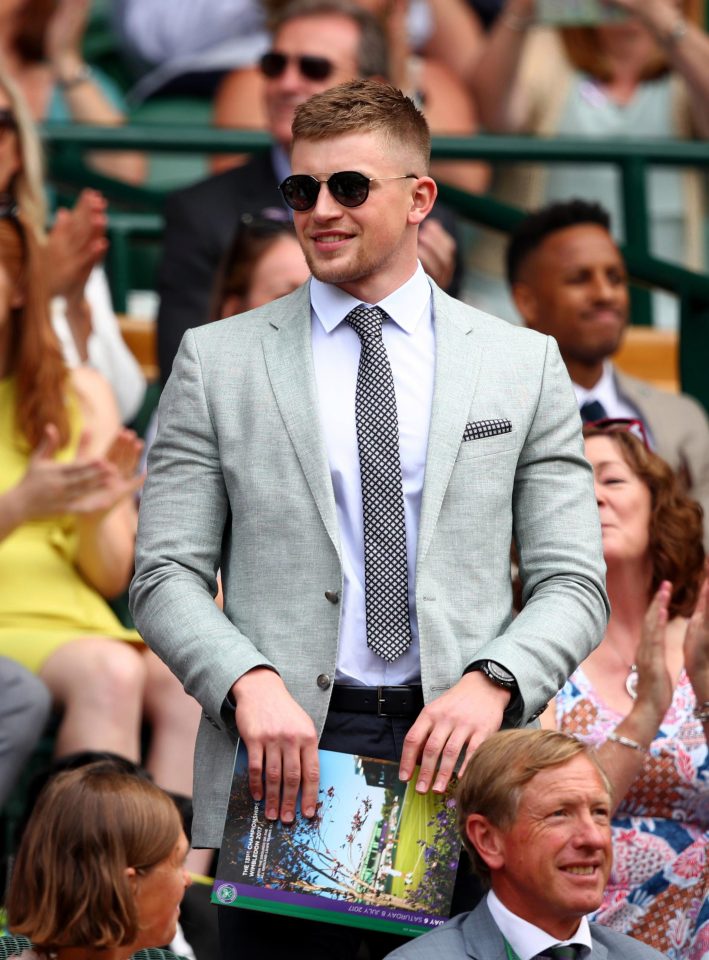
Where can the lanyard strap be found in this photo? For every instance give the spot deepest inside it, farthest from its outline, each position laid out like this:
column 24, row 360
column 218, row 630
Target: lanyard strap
column 511, row 955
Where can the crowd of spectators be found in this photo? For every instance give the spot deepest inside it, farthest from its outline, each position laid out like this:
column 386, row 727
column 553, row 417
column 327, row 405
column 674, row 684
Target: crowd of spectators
column 71, row 467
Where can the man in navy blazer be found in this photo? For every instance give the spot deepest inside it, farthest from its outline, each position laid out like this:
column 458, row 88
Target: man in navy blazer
column 534, row 813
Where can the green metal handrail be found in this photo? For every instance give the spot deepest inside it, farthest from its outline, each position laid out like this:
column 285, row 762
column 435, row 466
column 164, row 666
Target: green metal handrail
column 66, row 142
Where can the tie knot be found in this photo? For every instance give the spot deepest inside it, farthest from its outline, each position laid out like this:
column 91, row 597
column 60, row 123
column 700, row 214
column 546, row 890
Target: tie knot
column 560, row 952
column 366, row 322
column 592, row 410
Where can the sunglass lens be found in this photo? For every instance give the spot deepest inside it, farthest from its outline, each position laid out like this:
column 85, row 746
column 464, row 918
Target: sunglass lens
column 273, row 64
column 300, row 191
column 315, row 68
column 349, row 188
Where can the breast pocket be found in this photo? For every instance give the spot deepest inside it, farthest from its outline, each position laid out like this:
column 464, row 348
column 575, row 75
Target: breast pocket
column 488, row 446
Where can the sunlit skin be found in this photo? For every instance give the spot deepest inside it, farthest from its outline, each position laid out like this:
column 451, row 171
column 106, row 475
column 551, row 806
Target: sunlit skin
column 337, row 38
column 369, row 250
column 624, row 504
column 159, row 892
column 551, row 866
column 278, row 272
column 574, row 287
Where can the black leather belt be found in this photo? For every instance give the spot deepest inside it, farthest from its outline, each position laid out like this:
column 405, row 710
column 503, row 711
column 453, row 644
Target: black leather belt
column 385, row 701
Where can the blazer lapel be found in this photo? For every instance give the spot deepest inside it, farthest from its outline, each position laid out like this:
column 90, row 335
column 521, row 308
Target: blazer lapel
column 289, row 360
column 481, row 935
column 458, row 363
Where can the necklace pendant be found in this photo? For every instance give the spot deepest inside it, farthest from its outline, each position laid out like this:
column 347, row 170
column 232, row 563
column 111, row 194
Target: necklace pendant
column 631, row 682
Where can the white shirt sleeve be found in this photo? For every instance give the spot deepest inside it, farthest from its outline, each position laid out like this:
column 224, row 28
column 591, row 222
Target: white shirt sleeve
column 107, row 350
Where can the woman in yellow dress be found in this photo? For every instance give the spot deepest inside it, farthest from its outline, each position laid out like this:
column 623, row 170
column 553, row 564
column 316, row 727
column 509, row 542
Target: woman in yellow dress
column 67, row 529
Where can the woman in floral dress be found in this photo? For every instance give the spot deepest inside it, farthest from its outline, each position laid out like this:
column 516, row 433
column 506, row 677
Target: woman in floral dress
column 643, row 697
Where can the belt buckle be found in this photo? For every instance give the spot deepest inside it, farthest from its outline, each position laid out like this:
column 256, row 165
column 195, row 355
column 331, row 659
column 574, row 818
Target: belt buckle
column 380, row 700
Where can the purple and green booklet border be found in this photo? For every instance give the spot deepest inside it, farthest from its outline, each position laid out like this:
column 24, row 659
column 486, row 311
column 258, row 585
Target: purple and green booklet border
column 386, row 919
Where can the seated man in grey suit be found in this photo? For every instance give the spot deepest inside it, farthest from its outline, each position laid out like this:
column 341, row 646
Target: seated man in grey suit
column 24, row 710
column 568, row 280
column 356, row 457
column 534, row 814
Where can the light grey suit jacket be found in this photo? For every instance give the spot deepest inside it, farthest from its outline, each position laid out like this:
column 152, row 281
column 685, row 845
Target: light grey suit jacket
column 238, row 478
column 476, row 935
column 681, row 432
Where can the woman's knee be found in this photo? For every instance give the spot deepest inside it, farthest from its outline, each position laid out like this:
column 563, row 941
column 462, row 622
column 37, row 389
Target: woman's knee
column 98, row 670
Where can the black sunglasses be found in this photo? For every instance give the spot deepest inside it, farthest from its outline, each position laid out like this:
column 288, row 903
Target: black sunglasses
column 273, row 64
column 351, row 189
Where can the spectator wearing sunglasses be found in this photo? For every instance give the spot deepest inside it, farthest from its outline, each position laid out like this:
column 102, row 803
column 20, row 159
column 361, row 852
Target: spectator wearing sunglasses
column 316, row 44
column 427, row 74
column 642, row 696
column 568, row 279
column 356, row 458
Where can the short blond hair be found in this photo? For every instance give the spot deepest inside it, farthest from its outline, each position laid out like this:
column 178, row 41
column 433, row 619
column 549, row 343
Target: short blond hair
column 366, row 106
column 500, row 769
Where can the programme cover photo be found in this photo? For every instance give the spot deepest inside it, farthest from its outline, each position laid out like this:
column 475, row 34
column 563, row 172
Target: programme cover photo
column 377, row 854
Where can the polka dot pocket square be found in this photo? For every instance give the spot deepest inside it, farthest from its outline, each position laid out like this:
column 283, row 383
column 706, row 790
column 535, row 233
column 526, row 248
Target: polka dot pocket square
column 479, row 429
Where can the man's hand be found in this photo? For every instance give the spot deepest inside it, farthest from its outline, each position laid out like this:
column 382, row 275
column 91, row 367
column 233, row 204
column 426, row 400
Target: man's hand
column 458, row 720
column 436, row 251
column 281, row 742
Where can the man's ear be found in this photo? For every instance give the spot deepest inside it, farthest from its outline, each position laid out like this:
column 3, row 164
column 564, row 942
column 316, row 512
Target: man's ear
column 526, row 302
column 487, row 840
column 423, row 196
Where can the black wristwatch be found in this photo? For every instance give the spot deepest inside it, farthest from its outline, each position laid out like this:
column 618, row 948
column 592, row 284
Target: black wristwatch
column 499, row 675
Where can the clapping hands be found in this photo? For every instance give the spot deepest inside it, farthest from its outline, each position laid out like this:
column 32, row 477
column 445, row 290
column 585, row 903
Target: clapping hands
column 88, row 486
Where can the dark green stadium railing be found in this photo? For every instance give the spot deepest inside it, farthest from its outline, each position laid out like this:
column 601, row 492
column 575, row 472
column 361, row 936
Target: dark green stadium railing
column 141, row 207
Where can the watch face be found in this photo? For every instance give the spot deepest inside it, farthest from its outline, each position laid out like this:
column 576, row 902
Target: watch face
column 499, row 674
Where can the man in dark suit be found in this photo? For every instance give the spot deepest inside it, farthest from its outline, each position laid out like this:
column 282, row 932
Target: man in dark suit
column 569, row 281
column 316, row 45
column 534, row 814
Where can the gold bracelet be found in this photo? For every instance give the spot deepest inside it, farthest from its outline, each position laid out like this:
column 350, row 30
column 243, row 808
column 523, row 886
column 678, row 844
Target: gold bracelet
column 626, row 742
column 83, row 74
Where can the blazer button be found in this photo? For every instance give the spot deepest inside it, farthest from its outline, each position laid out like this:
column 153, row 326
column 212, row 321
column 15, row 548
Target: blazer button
column 323, row 681
column 332, row 595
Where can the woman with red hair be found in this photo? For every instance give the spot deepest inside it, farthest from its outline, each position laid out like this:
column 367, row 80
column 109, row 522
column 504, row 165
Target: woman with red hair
column 67, row 530
column 642, row 696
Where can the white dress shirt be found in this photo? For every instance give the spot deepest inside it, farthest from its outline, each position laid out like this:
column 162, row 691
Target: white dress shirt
column 410, row 345
column 605, row 391
column 527, row 940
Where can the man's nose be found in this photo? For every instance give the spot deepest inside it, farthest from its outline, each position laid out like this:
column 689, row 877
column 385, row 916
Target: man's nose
column 590, row 832
column 326, row 207
column 602, row 286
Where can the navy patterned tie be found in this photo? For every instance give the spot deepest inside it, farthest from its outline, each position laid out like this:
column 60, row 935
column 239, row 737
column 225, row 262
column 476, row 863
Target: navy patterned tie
column 566, row 952
column 386, row 592
column 592, row 410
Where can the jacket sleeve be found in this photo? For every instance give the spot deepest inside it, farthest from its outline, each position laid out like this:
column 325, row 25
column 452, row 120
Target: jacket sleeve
column 183, row 520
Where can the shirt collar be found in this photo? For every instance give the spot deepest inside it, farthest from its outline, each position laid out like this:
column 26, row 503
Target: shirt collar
column 605, row 390
column 527, row 940
column 405, row 305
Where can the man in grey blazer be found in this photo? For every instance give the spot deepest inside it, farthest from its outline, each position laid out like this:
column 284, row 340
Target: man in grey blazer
column 275, row 427
column 534, row 814
column 569, row 281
